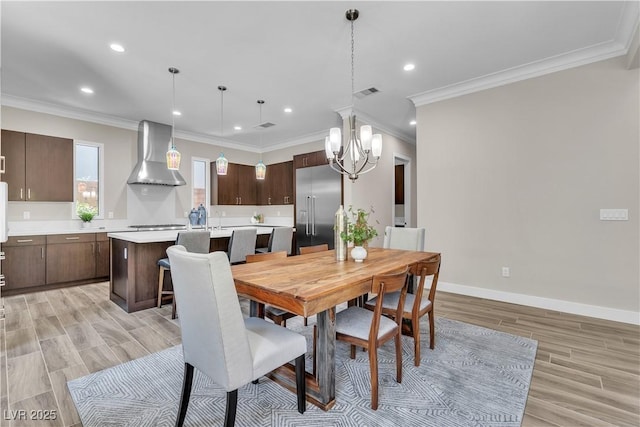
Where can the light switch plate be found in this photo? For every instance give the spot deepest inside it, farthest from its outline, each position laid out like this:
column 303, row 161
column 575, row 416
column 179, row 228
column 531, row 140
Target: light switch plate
column 614, row 214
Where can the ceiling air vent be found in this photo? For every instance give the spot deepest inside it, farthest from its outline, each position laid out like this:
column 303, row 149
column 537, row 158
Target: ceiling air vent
column 365, row 92
column 265, row 125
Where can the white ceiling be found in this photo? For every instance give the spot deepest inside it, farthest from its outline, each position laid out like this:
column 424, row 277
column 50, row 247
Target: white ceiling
column 294, row 54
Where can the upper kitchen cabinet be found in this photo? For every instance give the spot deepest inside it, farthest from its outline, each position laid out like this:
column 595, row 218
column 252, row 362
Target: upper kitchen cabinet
column 39, row 168
column 308, row 160
column 277, row 187
column 237, row 187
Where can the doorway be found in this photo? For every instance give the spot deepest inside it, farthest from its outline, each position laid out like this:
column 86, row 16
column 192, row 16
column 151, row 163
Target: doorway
column 401, row 191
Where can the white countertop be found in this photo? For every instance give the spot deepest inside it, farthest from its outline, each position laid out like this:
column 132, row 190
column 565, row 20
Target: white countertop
column 41, row 232
column 171, row 235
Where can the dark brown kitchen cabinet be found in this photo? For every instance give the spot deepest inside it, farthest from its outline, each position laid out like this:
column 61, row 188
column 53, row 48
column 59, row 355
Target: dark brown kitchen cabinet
column 308, row 160
column 277, row 187
column 39, row 168
column 237, row 187
column 25, row 263
column 102, row 255
column 71, row 257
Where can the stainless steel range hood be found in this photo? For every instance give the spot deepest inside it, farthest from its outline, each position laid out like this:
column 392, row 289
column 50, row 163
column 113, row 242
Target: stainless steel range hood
column 153, row 143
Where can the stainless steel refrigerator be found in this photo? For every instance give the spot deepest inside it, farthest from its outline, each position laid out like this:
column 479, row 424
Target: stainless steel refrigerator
column 318, row 197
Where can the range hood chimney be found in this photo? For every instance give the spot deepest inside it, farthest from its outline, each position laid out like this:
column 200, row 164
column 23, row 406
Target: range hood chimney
column 154, row 140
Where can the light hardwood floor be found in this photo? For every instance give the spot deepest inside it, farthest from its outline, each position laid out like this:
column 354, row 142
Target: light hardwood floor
column 587, row 371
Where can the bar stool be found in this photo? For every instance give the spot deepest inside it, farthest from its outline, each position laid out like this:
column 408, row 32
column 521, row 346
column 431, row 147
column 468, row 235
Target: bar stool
column 279, row 240
column 193, row 241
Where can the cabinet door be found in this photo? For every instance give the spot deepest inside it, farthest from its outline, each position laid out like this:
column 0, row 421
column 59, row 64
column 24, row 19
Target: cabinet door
column 24, row 264
column 224, row 188
column 49, row 168
column 102, row 255
column 280, row 184
column 246, row 185
column 71, row 257
column 13, row 149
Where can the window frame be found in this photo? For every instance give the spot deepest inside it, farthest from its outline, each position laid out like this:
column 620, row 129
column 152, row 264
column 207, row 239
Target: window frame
column 100, row 147
column 207, row 180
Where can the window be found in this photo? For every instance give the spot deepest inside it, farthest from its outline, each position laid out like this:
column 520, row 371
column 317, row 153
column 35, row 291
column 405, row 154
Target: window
column 200, row 180
column 88, row 173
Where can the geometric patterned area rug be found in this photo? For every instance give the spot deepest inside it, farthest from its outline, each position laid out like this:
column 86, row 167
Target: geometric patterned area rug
column 474, row 377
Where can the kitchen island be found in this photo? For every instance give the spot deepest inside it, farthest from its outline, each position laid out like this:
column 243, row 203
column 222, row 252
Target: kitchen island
column 134, row 257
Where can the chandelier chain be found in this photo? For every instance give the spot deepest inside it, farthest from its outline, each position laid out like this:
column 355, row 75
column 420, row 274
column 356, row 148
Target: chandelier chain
column 353, row 86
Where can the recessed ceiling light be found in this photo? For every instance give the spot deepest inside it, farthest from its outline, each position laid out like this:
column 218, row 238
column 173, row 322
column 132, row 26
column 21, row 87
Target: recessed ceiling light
column 288, row 110
column 409, row 67
column 237, row 128
column 116, row 47
column 86, row 90
column 177, row 113
column 412, row 122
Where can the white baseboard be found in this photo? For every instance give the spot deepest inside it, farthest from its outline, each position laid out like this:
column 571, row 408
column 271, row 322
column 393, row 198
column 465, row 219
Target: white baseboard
column 598, row 312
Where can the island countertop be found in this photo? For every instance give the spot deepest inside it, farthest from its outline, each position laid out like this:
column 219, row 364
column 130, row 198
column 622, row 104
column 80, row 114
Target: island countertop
column 171, row 235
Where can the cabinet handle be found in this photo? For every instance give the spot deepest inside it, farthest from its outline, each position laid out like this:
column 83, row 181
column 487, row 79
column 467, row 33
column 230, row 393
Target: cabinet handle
column 269, row 200
column 28, row 194
column 240, row 200
column 1, row 164
column 98, row 245
column 72, row 238
column 42, row 252
column 21, row 194
column 24, row 240
column 93, row 249
column 125, row 253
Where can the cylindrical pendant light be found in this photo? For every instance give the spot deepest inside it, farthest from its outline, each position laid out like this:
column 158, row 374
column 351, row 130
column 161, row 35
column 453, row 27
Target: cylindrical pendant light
column 261, row 169
column 222, row 164
column 173, row 155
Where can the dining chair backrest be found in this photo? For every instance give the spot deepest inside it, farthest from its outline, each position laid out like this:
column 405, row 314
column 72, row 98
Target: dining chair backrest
column 204, row 284
column 195, row 241
column 423, row 270
column 280, row 239
column 266, row 256
column 409, row 239
column 241, row 244
column 385, row 284
column 314, row 248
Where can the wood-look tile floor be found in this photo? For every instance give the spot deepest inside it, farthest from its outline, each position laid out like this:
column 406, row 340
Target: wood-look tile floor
column 587, row 371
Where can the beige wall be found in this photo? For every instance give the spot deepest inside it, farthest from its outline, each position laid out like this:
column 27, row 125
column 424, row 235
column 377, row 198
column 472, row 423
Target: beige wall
column 120, row 157
column 373, row 189
column 515, row 176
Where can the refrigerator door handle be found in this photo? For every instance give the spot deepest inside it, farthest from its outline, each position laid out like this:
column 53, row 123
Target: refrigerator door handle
column 313, row 212
column 308, row 215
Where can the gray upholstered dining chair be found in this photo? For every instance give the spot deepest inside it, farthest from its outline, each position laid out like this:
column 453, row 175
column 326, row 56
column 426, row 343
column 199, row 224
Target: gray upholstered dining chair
column 193, row 241
column 241, row 244
column 415, row 306
column 410, row 239
column 370, row 329
column 279, row 240
column 217, row 341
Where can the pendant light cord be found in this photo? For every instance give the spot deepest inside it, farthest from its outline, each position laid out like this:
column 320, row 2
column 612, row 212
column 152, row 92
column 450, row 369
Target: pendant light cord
column 173, row 111
column 353, row 86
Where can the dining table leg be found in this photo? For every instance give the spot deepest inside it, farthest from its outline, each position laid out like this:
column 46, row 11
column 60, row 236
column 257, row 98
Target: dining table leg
column 326, row 355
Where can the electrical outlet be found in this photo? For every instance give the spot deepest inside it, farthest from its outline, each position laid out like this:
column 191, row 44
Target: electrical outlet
column 278, row 213
column 506, row 272
column 26, row 215
column 224, row 213
column 110, row 215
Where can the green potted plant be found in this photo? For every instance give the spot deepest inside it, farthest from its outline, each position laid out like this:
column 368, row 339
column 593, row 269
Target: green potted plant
column 358, row 232
column 86, row 213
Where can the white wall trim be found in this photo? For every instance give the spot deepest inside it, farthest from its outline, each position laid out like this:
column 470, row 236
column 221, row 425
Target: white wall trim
column 598, row 312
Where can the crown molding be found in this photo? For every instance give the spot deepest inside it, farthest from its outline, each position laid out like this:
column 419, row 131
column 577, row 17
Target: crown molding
column 618, row 46
column 68, row 112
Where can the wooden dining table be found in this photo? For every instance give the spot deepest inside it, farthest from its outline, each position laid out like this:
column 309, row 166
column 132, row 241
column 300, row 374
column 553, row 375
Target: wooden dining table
column 315, row 284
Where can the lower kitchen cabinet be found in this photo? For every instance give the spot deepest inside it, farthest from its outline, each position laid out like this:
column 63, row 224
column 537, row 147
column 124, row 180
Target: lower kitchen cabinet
column 33, row 263
column 25, row 264
column 71, row 257
column 102, row 255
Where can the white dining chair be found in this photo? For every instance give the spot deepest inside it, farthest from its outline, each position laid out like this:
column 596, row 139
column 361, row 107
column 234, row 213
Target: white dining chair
column 217, row 341
column 409, row 239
